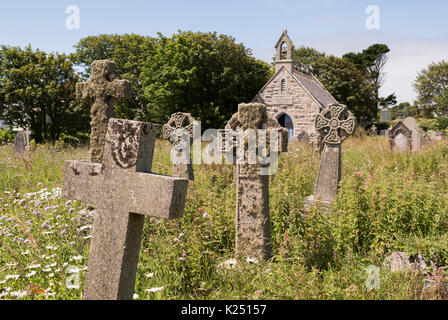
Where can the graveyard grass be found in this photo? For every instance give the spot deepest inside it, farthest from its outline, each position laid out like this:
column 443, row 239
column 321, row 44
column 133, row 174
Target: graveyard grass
column 387, row 202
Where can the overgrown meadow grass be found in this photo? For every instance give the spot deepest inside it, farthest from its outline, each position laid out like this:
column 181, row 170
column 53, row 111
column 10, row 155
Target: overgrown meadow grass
column 387, row 202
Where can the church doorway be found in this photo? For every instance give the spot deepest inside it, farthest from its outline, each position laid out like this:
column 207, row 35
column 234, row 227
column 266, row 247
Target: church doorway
column 286, row 122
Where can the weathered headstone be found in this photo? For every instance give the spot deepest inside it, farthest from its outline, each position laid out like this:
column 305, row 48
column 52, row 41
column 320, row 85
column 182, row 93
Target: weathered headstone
column 103, row 87
column 179, row 130
column 408, row 136
column 123, row 190
column 303, row 137
column 22, row 141
column 373, row 131
column 386, row 115
column 438, row 135
column 335, row 124
column 253, row 230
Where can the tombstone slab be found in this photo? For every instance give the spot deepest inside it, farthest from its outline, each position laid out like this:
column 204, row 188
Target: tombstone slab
column 406, row 135
column 22, row 142
column 179, row 130
column 103, row 87
column 335, row 124
column 253, row 229
column 123, row 190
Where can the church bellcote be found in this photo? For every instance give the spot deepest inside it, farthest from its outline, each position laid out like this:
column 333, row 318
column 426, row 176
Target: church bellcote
column 283, row 56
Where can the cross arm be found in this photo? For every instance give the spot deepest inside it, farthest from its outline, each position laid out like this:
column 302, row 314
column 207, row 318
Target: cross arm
column 155, row 195
column 82, row 91
column 81, row 181
column 119, row 89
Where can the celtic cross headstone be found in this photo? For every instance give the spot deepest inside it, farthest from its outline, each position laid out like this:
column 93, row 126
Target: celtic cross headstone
column 103, row 87
column 253, row 229
column 179, row 130
column 334, row 124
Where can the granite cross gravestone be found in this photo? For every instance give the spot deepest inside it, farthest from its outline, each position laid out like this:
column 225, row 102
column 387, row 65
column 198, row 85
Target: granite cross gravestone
column 103, row 87
column 253, row 231
column 22, row 141
column 123, row 190
column 334, row 124
column 180, row 130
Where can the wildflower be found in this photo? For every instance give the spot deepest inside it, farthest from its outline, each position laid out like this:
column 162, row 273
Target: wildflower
column 205, row 215
column 76, row 258
column 181, row 235
column 155, row 289
column 383, row 196
column 229, row 264
column 71, row 210
column 19, row 294
column 135, row 296
column 357, row 173
column 251, row 260
column 67, row 204
column 181, row 258
column 150, row 275
column 63, row 232
column 176, row 240
column 46, row 226
column 58, row 216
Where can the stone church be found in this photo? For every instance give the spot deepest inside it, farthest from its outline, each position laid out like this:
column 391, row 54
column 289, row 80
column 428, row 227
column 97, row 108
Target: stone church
column 293, row 98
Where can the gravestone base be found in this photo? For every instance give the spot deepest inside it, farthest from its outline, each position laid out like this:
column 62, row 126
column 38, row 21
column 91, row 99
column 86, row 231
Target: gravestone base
column 312, row 202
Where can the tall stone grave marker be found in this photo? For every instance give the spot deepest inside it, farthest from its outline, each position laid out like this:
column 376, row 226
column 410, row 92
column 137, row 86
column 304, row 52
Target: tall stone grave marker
column 179, row 130
column 22, row 141
column 103, row 87
column 123, row 190
column 335, row 124
column 253, row 229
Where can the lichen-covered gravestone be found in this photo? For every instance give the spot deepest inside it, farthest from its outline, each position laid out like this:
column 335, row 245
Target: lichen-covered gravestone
column 22, row 141
column 179, row 130
column 253, row 230
column 123, row 190
column 408, row 136
column 103, row 87
column 334, row 124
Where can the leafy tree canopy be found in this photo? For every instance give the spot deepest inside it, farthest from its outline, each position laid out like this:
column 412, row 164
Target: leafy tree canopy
column 205, row 74
column 431, row 85
column 37, row 91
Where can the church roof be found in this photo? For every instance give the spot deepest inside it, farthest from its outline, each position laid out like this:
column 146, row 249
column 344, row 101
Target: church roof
column 315, row 88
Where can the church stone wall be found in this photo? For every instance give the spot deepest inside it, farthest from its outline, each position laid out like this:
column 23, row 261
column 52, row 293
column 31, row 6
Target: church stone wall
column 294, row 101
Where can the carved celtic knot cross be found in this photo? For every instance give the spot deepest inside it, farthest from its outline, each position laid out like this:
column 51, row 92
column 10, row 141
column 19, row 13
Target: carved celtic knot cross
column 334, row 124
column 179, row 130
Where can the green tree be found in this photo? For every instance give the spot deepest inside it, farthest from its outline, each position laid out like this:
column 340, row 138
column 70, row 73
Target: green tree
column 342, row 79
column 129, row 52
column 371, row 62
column 204, row 74
column 37, row 91
column 431, row 85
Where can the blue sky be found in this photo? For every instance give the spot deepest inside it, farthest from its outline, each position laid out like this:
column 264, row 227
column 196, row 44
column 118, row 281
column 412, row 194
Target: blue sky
column 416, row 31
